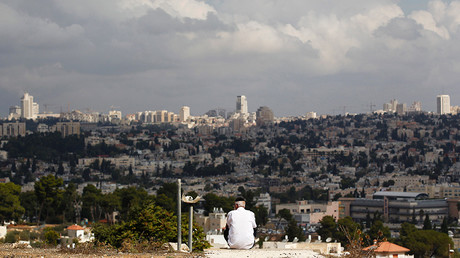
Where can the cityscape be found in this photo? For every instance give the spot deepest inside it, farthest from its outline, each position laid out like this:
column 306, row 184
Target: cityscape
column 395, row 165
column 132, row 128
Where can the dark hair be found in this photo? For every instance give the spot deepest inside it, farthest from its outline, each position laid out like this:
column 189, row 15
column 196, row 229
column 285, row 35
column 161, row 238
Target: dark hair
column 239, row 199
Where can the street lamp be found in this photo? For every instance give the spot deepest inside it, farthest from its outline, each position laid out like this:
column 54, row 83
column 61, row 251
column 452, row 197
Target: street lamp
column 191, row 201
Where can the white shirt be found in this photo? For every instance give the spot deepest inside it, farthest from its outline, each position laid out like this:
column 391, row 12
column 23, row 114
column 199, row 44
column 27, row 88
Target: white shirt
column 241, row 223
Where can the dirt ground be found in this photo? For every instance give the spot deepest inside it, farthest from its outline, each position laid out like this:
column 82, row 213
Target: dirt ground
column 8, row 250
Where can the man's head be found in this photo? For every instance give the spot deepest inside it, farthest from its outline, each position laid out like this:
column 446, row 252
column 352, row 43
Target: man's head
column 240, row 202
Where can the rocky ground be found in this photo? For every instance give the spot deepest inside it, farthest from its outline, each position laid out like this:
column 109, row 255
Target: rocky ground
column 265, row 253
column 10, row 251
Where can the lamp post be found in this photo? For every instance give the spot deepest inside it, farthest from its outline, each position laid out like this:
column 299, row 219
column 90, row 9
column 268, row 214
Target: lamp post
column 191, row 201
column 179, row 217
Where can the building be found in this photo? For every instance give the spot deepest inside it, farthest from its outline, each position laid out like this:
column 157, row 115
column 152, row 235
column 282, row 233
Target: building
column 12, row 129
column 214, row 223
column 161, row 116
column 29, row 109
column 184, row 113
column 443, row 104
column 68, row 128
column 401, row 108
column 76, row 232
column 388, row 250
column 241, row 105
column 396, row 207
column 264, row 115
column 310, row 115
column 415, row 107
column 265, row 199
column 114, row 115
column 14, row 112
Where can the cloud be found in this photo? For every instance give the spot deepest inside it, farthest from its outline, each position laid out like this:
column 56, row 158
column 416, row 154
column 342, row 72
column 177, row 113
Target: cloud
column 294, row 56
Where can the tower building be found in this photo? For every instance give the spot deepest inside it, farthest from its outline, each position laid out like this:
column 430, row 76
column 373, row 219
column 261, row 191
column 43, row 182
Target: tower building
column 241, row 105
column 264, row 116
column 443, row 104
column 184, row 113
column 29, row 109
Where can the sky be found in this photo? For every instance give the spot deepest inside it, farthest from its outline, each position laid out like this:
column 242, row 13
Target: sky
column 294, row 56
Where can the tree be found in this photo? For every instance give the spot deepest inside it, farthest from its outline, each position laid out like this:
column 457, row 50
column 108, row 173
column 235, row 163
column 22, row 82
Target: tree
column 261, row 214
column 328, row 227
column 284, row 214
column 71, row 199
column 152, row 224
column 427, row 223
column 214, row 201
column 444, row 226
column 293, row 230
column 428, row 243
column 345, row 225
column 91, row 197
column 10, row 205
column 132, row 199
column 109, row 203
column 29, row 202
column 51, row 236
column 49, row 196
column 378, row 230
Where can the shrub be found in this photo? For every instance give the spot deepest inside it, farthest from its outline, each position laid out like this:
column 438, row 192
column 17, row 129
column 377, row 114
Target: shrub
column 51, row 236
column 12, row 237
column 153, row 226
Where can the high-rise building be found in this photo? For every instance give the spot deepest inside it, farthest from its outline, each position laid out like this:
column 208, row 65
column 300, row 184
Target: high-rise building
column 241, row 105
column 401, row 108
column 264, row 116
column 415, row 107
column 443, row 104
column 29, row 109
column 161, row 116
column 15, row 112
column 27, row 106
column 184, row 113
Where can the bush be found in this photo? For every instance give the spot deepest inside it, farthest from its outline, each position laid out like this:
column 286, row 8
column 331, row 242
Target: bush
column 51, row 236
column 12, row 237
column 153, row 226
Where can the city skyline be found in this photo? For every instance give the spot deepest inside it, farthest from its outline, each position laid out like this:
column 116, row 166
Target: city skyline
column 29, row 109
column 293, row 57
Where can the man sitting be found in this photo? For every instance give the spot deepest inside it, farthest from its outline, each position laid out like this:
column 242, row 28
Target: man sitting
column 241, row 224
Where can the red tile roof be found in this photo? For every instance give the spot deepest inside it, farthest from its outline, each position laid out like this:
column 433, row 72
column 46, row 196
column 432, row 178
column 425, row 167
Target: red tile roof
column 387, row 247
column 75, row 227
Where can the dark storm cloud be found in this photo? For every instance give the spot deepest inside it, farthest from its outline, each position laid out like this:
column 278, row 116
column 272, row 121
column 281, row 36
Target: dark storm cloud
column 294, row 57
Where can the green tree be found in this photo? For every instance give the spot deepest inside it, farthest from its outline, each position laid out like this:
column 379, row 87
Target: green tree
column 91, row 202
column 71, row 199
column 29, row 202
column 109, row 203
column 214, row 201
column 132, row 199
column 49, row 196
column 293, row 230
column 345, row 225
column 328, row 227
column 51, row 236
column 261, row 214
column 428, row 243
column 152, row 224
column 378, row 230
column 427, row 223
column 444, row 226
column 10, row 204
